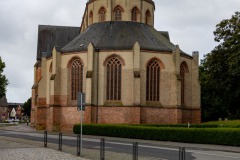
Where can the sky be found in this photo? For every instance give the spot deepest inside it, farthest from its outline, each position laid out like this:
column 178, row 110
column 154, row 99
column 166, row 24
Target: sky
column 190, row 24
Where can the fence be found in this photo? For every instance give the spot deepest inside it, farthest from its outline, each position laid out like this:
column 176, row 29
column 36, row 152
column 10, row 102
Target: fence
column 102, row 148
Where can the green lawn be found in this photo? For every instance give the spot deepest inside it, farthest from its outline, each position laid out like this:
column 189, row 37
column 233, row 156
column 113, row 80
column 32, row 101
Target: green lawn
column 225, row 124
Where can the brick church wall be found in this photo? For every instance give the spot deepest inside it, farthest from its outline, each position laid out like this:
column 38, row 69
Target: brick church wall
column 157, row 115
column 70, row 116
column 119, row 115
column 192, row 116
column 40, row 118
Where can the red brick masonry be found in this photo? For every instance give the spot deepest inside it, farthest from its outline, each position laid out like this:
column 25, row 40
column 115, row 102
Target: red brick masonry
column 57, row 118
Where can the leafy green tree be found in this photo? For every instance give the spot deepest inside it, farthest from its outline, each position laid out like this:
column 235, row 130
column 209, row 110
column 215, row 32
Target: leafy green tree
column 27, row 107
column 3, row 79
column 220, row 73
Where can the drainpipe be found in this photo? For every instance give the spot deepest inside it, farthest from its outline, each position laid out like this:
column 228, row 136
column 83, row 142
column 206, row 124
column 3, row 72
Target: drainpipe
column 141, row 11
column 97, row 54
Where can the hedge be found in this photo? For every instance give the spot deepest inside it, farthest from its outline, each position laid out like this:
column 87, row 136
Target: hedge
column 220, row 136
column 181, row 125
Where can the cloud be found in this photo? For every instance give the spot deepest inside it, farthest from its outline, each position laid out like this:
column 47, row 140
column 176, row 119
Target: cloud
column 191, row 23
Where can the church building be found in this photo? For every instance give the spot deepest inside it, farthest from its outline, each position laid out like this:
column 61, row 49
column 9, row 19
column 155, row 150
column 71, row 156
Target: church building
column 130, row 72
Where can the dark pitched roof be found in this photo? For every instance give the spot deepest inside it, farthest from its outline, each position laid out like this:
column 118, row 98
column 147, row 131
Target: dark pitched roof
column 50, row 36
column 121, row 35
column 165, row 34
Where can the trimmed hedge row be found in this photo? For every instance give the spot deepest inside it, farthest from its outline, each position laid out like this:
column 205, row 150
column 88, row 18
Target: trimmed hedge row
column 181, row 125
column 221, row 136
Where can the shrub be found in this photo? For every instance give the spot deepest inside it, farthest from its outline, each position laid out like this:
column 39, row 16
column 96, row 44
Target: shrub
column 221, row 136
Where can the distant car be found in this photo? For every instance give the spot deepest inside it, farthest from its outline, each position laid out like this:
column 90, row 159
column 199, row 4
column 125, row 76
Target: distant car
column 10, row 120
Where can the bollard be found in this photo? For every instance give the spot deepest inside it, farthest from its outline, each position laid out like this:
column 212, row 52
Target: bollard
column 60, row 142
column 78, row 144
column 181, row 153
column 102, row 149
column 135, row 150
column 45, row 138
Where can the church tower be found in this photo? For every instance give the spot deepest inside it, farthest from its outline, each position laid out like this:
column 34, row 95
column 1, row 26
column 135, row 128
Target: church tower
column 131, row 72
column 96, row 11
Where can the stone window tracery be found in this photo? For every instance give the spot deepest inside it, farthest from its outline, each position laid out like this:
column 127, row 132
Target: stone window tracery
column 76, row 78
column 114, row 79
column 153, row 80
column 118, row 13
column 135, row 14
column 102, row 14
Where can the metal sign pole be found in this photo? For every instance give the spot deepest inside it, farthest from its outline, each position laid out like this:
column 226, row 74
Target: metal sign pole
column 81, row 108
column 81, row 121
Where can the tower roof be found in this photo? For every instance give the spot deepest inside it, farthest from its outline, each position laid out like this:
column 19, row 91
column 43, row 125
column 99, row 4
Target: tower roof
column 120, row 35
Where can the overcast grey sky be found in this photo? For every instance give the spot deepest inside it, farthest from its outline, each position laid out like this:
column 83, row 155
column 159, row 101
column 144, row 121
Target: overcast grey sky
column 190, row 24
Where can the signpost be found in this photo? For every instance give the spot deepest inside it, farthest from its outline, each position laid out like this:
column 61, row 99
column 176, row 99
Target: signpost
column 81, row 107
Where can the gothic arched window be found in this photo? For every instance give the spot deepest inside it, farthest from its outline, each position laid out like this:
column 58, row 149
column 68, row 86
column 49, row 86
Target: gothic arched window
column 153, row 80
column 76, row 67
column 183, row 71
column 114, row 78
column 148, row 17
column 102, row 14
column 91, row 18
column 135, row 14
column 118, row 13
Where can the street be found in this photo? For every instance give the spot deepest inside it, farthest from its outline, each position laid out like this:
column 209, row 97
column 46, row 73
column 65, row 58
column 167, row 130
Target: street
column 145, row 150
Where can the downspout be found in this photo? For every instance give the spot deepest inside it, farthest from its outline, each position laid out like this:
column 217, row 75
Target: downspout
column 111, row 9
column 141, row 11
column 87, row 15
column 97, row 51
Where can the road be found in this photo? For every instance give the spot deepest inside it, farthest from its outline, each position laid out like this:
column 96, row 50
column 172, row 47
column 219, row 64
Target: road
column 149, row 151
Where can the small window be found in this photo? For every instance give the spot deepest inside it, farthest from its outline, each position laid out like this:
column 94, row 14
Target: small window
column 118, row 13
column 102, row 14
column 50, row 68
column 91, row 18
column 148, row 17
column 135, row 14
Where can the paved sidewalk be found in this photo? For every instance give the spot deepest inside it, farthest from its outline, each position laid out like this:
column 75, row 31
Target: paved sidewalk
column 22, row 127
column 20, row 149
column 10, row 150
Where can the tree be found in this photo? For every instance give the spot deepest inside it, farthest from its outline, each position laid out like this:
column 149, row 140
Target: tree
column 3, row 79
column 27, row 107
column 220, row 73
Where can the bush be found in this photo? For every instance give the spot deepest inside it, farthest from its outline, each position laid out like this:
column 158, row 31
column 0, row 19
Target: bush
column 221, row 136
column 180, row 125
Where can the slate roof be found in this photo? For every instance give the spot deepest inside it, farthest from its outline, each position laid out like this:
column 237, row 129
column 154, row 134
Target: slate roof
column 50, row 36
column 121, row 35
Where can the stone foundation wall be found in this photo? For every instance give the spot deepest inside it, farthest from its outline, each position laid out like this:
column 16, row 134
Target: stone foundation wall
column 157, row 115
column 63, row 118
column 40, row 114
column 119, row 115
column 57, row 118
column 192, row 116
